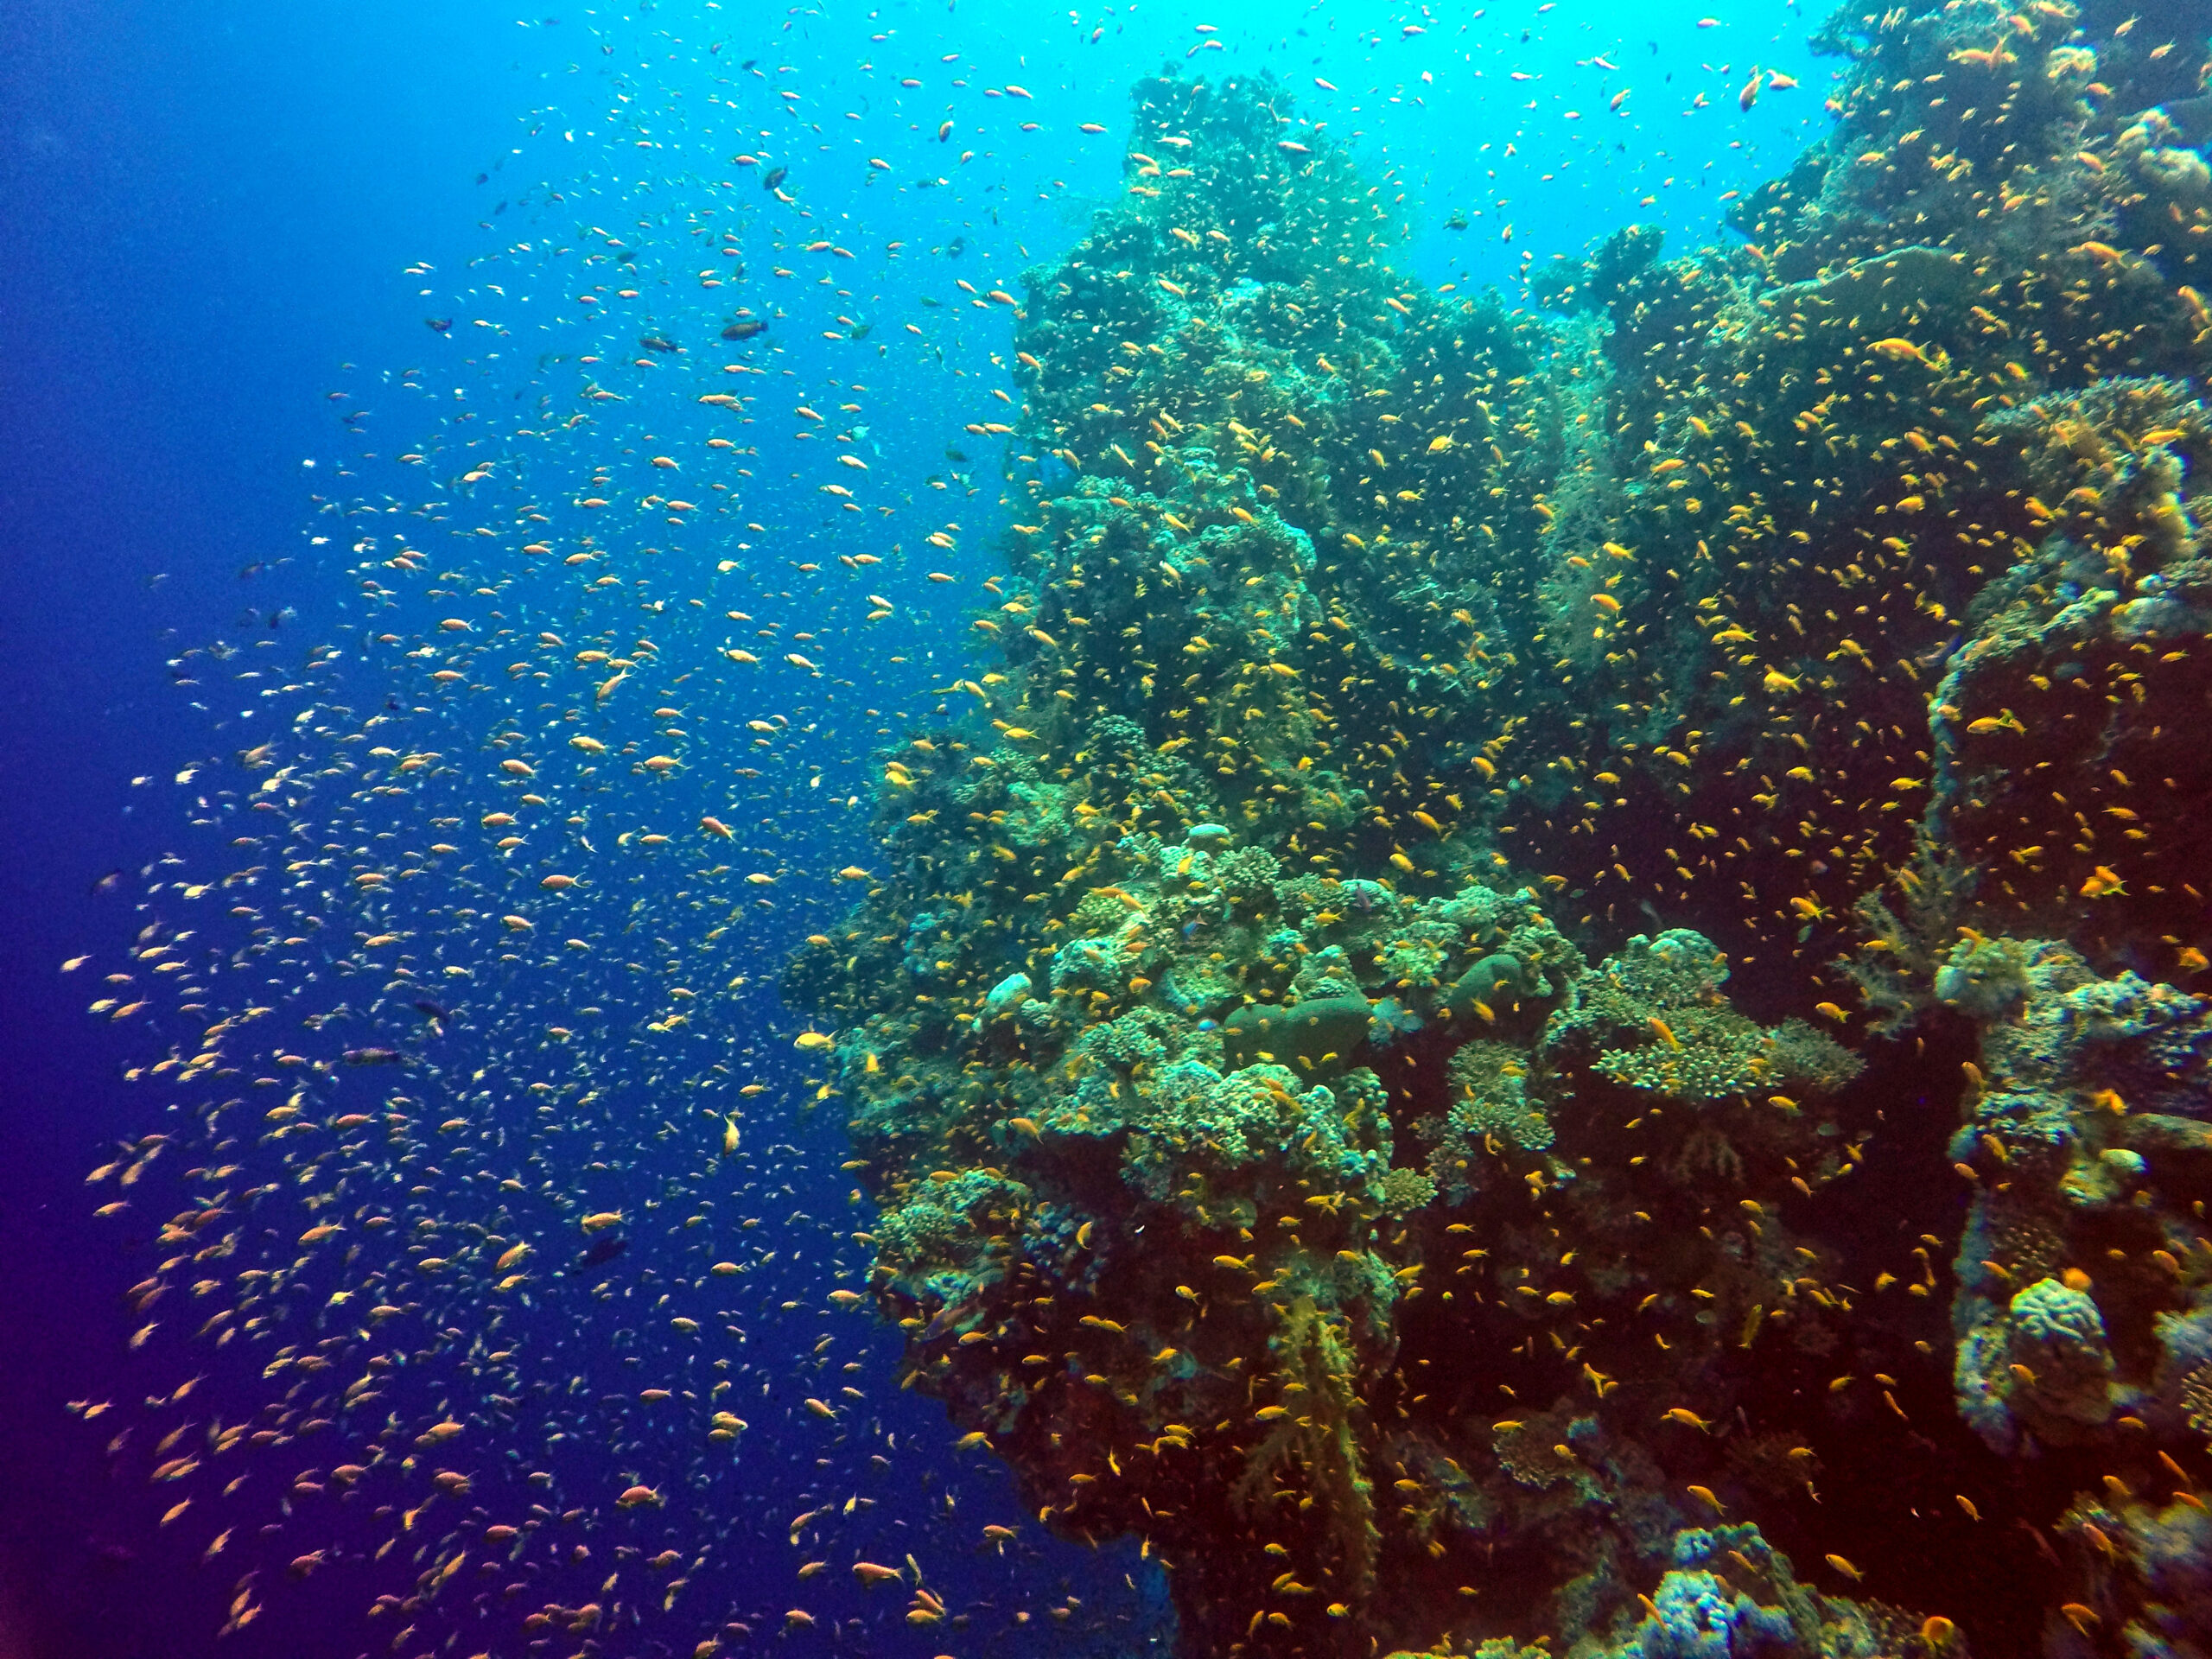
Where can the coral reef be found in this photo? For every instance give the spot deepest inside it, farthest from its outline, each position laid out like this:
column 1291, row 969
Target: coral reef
column 1260, row 1159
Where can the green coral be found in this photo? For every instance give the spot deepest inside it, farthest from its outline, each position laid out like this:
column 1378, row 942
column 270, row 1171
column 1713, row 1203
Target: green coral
column 1679, row 968
column 1328, row 972
column 1496, row 982
column 1513, row 925
column 1799, row 1057
column 1262, row 1123
column 1098, row 912
column 1404, row 1191
column 1703, row 1054
column 1686, row 1042
column 2057, row 1334
column 1728, row 1592
column 938, row 1239
column 1491, row 1103
column 1138, row 1037
column 1418, row 952
column 1309, row 1036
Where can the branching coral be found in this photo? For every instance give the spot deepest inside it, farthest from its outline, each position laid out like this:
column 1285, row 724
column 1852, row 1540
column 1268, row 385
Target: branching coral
column 1658, row 1004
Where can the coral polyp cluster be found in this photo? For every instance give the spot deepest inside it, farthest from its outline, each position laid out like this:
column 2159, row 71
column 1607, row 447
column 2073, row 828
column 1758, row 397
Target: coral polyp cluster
column 1542, row 993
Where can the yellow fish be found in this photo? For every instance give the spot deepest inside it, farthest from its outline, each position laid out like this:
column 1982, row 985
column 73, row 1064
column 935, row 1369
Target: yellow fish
column 2102, row 883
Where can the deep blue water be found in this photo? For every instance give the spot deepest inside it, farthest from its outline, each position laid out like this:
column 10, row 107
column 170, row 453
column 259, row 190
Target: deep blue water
column 208, row 220
column 205, row 216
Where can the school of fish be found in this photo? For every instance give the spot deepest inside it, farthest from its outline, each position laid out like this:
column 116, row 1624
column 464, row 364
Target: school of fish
column 1515, row 971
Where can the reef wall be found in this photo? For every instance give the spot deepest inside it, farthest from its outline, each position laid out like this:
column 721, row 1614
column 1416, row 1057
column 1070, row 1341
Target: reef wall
column 1291, row 1046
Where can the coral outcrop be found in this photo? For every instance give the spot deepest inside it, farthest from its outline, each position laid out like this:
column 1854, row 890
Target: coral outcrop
column 1514, row 889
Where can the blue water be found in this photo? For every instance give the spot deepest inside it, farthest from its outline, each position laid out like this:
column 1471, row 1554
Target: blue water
column 208, row 224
